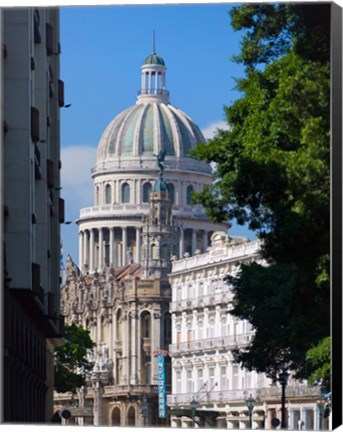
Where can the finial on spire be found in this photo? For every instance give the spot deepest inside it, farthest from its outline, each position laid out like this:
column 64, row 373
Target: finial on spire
column 153, row 42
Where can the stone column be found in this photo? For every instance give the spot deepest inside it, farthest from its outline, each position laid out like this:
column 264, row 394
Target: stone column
column 138, row 245
column 182, row 243
column 81, row 248
column 194, row 241
column 101, row 250
column 303, row 417
column 124, row 243
column 134, row 347
column 205, row 241
column 155, row 343
column 125, row 348
column 91, row 250
column 291, row 419
column 111, row 246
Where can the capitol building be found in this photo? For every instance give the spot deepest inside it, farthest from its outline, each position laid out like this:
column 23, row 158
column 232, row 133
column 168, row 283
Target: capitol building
column 125, row 170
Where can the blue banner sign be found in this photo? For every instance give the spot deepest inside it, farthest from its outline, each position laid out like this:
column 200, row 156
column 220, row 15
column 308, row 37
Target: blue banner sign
column 162, row 396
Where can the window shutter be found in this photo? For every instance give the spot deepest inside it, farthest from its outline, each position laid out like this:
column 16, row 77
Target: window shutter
column 61, row 210
column 49, row 38
column 37, row 33
column 50, row 173
column 60, row 93
column 36, row 278
column 34, row 124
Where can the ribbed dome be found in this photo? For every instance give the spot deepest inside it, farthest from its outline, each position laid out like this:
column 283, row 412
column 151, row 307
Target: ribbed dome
column 154, row 59
column 146, row 128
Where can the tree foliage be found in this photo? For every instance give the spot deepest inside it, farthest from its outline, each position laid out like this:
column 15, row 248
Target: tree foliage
column 272, row 173
column 71, row 363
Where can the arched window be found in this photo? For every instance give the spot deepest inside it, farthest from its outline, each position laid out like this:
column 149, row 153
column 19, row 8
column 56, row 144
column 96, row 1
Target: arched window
column 171, row 191
column 145, row 322
column 131, row 417
column 125, row 193
column 189, row 195
column 116, row 417
column 108, row 194
column 97, row 196
column 146, row 192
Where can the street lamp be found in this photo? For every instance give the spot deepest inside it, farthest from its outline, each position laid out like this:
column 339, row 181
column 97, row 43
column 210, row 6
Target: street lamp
column 144, row 409
column 250, row 404
column 193, row 409
column 321, row 405
column 283, row 378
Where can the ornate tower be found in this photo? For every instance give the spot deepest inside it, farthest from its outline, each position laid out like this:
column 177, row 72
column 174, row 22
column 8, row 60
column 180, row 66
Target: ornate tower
column 159, row 234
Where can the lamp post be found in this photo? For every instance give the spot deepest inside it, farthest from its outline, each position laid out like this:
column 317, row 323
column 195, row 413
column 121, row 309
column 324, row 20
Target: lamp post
column 250, row 404
column 321, row 405
column 283, row 378
column 144, row 409
column 193, row 409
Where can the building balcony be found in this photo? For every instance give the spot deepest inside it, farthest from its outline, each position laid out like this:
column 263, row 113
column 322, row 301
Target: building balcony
column 262, row 394
column 204, row 397
column 132, row 390
column 137, row 211
column 222, row 342
column 200, row 302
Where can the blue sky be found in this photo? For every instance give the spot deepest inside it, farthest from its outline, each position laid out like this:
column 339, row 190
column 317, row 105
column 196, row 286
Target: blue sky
column 103, row 48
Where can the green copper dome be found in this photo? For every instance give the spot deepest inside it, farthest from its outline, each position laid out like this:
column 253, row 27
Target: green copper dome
column 154, row 59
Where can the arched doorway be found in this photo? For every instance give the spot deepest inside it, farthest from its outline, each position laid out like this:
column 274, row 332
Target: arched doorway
column 131, row 416
column 116, row 417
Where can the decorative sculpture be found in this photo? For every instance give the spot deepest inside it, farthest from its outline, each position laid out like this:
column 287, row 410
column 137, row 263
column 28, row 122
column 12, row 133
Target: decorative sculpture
column 160, row 159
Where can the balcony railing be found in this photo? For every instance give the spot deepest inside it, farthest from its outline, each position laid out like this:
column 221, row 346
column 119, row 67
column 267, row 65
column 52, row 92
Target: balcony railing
column 241, row 395
column 208, row 300
column 228, row 342
column 158, row 92
column 226, row 253
column 132, row 389
column 138, row 210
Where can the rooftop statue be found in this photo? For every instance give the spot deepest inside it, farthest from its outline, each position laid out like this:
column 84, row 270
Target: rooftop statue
column 160, row 159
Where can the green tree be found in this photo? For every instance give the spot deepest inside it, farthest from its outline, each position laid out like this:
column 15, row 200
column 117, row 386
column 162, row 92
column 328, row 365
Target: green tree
column 272, row 173
column 71, row 363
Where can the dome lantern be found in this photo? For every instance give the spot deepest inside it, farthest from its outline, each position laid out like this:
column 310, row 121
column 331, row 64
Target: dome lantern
column 153, row 74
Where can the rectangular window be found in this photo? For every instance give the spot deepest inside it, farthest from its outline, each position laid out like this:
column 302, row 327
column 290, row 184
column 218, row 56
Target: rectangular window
column 211, row 328
column 211, row 381
column 235, row 377
column 189, row 382
column 200, row 378
column 178, row 339
column 178, row 381
column 200, row 329
column 223, row 378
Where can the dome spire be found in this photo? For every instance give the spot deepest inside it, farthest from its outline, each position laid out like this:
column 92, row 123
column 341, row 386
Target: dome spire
column 153, row 42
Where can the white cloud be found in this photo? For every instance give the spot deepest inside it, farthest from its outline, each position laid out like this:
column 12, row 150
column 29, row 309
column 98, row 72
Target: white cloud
column 77, row 162
column 210, row 130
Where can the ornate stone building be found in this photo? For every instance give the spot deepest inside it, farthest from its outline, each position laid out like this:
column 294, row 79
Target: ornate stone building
column 205, row 377
column 141, row 218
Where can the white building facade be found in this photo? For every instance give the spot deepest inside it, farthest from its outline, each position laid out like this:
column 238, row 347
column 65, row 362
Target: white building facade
column 205, row 333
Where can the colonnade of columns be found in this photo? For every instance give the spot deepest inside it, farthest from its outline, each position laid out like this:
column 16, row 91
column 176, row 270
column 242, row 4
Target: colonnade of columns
column 117, row 246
